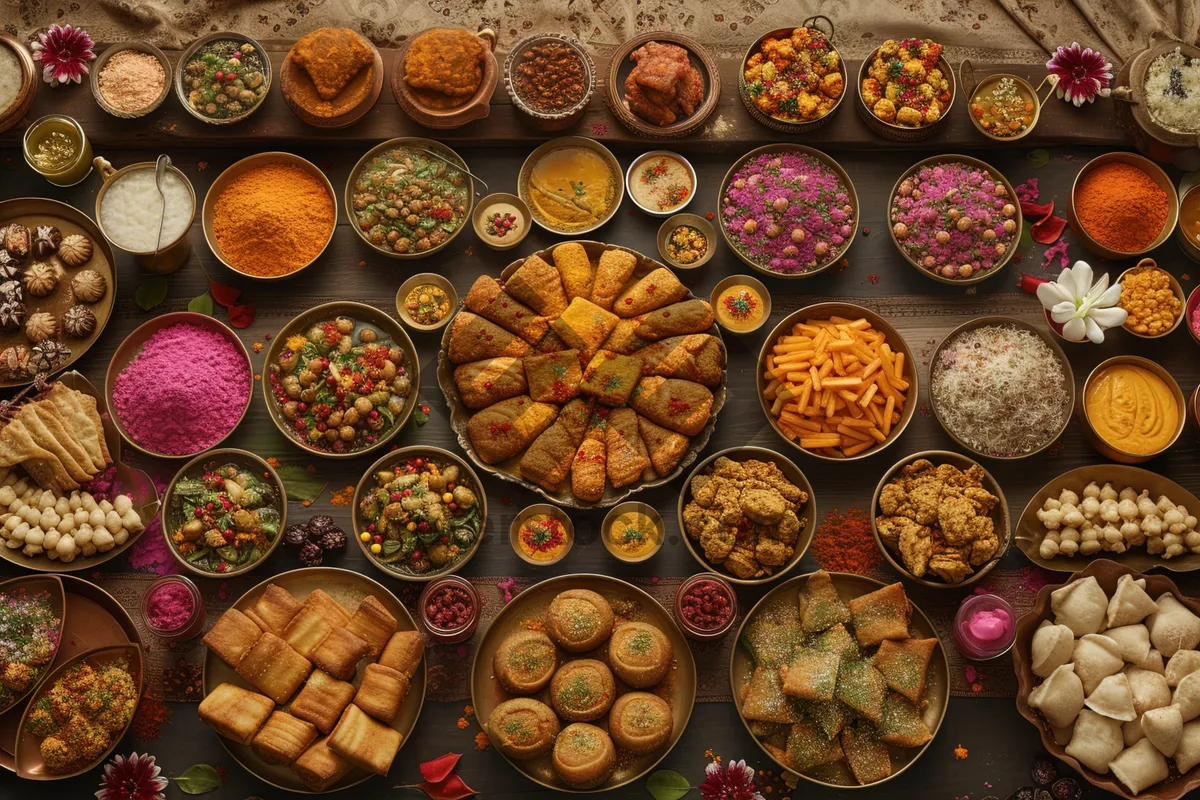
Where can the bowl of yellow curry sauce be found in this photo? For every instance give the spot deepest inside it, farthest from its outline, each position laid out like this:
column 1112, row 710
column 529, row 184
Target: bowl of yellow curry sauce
column 742, row 304
column 633, row 532
column 426, row 301
column 1131, row 409
column 541, row 534
column 572, row 185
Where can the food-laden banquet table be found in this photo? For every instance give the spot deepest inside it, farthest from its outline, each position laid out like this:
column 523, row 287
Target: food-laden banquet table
column 982, row 720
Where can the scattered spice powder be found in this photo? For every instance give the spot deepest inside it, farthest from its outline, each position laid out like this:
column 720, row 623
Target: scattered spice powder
column 961, row 753
column 342, row 497
column 152, row 714
column 845, row 542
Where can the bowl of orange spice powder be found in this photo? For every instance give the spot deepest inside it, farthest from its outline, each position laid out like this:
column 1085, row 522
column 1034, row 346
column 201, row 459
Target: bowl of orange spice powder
column 1122, row 205
column 257, row 235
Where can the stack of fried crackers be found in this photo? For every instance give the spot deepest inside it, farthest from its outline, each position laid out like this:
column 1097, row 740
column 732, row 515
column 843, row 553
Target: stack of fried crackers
column 57, row 438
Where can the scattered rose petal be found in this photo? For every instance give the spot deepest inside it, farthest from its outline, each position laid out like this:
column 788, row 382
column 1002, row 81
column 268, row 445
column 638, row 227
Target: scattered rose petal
column 225, row 295
column 439, row 769
column 1048, row 230
column 453, row 788
column 1035, row 212
column 242, row 316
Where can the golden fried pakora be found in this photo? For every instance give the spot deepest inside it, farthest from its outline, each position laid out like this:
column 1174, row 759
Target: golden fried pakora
column 664, row 86
column 332, row 57
column 446, row 61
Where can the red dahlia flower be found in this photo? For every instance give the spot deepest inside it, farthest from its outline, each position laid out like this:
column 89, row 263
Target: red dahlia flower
column 1083, row 73
column 133, row 778
column 732, row 782
column 64, row 52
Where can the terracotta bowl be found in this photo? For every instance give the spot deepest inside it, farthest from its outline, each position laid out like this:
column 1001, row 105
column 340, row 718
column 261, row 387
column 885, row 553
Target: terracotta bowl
column 477, row 106
column 366, row 86
column 1106, row 573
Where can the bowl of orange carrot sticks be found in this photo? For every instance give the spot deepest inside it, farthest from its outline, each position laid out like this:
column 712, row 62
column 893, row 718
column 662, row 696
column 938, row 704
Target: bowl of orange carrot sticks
column 837, row 381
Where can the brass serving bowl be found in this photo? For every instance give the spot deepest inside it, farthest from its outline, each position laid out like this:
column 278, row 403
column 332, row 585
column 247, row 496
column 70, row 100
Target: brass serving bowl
column 1110, row 451
column 513, row 238
column 526, row 174
column 129, row 350
column 1191, row 311
column 524, row 515
column 1045, row 336
column 31, row 77
column 1030, row 532
column 1176, row 289
column 137, row 47
column 621, row 64
column 850, row 311
column 171, row 519
column 366, row 484
column 610, row 519
column 903, row 133
column 695, row 221
column 52, row 585
column 668, row 154
column 779, row 123
column 182, row 93
column 741, row 280
column 833, row 166
column 421, row 279
column 549, row 121
column 169, row 256
column 486, row 693
column 966, row 71
column 978, row 277
column 239, row 168
column 1188, row 244
column 807, row 514
column 348, row 588
column 1156, row 174
column 998, row 515
column 937, row 691
column 417, row 143
column 363, row 316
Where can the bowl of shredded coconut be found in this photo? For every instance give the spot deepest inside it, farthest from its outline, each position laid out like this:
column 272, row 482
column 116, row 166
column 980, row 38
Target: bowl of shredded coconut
column 1001, row 387
column 1173, row 91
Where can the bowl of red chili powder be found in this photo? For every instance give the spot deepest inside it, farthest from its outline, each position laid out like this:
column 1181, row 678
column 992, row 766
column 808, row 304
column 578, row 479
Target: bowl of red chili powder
column 1122, row 205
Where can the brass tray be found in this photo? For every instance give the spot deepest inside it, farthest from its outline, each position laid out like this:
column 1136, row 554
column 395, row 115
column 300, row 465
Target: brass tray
column 129, row 480
column 348, row 588
column 1030, row 531
column 58, row 603
column 937, row 690
column 621, row 64
column 486, row 694
column 28, row 757
column 364, row 316
column 508, row 470
column 34, row 211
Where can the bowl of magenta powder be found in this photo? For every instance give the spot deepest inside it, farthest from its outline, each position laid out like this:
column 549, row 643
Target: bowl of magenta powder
column 179, row 385
column 173, row 608
column 705, row 606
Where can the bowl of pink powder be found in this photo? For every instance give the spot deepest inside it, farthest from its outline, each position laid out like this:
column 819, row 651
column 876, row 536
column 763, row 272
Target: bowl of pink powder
column 179, row 385
column 788, row 210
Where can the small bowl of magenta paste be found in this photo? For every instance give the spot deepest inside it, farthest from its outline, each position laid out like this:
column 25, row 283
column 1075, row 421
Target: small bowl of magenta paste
column 985, row 627
column 173, row 609
column 450, row 609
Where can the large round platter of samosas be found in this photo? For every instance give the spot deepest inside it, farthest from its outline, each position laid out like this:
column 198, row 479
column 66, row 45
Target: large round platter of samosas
column 587, row 372
column 840, row 679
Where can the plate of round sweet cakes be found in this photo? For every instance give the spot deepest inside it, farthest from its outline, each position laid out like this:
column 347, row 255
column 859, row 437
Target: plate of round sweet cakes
column 587, row 372
column 584, row 683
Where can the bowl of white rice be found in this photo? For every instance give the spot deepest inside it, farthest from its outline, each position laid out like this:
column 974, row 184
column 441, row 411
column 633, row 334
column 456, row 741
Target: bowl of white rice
column 129, row 209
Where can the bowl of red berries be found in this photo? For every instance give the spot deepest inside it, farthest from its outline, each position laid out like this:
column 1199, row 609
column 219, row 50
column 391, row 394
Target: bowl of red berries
column 450, row 609
column 706, row 606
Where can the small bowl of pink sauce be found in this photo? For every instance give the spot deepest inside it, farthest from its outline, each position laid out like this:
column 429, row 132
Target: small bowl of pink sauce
column 450, row 609
column 173, row 609
column 985, row 627
column 706, row 606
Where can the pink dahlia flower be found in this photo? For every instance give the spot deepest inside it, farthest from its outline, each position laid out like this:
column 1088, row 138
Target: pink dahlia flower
column 133, row 778
column 64, row 52
column 1083, row 73
column 733, row 782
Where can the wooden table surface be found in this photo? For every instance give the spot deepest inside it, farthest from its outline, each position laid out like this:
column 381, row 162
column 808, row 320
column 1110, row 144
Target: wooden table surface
column 1001, row 744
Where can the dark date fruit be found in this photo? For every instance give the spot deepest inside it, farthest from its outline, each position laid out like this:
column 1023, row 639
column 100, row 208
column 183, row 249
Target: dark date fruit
column 1066, row 789
column 1043, row 771
column 1024, row 793
column 318, row 525
column 310, row 555
column 1042, row 794
column 295, row 535
column 333, row 539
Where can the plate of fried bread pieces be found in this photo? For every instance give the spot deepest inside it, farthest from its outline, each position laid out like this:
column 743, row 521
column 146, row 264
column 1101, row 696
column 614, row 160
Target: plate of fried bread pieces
column 584, row 683
column 587, row 372
column 67, row 503
column 314, row 679
column 840, row 679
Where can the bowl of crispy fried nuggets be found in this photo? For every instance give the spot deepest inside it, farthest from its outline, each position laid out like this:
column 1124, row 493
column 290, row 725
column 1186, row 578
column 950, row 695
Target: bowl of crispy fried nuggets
column 662, row 84
column 940, row 519
column 586, row 372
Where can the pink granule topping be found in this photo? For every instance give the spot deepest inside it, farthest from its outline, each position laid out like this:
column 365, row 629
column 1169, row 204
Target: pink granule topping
column 787, row 212
column 184, row 392
column 170, row 606
column 1195, row 320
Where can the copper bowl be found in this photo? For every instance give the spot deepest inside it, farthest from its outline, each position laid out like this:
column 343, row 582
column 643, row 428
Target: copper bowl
column 1156, row 174
column 1189, row 244
column 30, row 78
column 549, row 121
column 779, row 123
column 1106, row 573
column 1103, row 447
column 903, row 133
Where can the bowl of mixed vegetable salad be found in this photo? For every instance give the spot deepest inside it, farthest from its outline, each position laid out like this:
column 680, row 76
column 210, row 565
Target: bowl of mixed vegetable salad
column 223, row 513
column 223, row 78
column 419, row 513
column 409, row 197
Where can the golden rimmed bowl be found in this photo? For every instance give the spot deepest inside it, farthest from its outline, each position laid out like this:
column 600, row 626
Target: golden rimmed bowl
column 549, row 121
column 632, row 507
column 1063, row 362
column 131, row 348
column 937, row 692
column 364, row 316
column 244, row 459
column 439, row 151
column 514, row 238
column 692, row 220
column 630, row 179
column 168, row 257
column 1190, row 245
column 999, row 516
column 779, row 123
column 1156, row 174
column 30, row 78
column 807, row 514
column 52, row 585
column 751, row 282
column 544, row 149
column 527, row 513
column 136, row 47
column 622, row 64
column 976, row 164
column 421, row 279
column 891, row 130
column 1191, row 313
column 182, row 93
column 852, row 312
column 1093, row 436
column 830, row 164
column 239, row 168
column 966, row 72
column 1147, row 264
column 366, row 484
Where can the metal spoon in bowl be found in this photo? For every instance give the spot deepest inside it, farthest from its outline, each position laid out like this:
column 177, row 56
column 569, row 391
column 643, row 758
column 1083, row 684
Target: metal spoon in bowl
column 160, row 171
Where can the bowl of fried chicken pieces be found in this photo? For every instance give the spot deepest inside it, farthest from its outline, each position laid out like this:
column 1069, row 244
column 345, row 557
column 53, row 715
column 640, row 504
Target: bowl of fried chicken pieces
column 444, row 77
column 940, row 519
column 662, row 85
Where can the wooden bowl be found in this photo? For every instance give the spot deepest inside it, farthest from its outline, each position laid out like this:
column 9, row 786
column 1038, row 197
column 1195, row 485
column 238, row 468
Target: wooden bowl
column 998, row 515
column 621, row 65
column 131, row 347
column 514, row 238
column 367, row 85
column 1156, row 174
column 903, row 133
column 1176, row 289
column 523, row 179
column 420, row 279
column 1103, row 447
column 220, row 456
column 808, row 514
column 31, row 77
column 850, row 311
column 514, row 532
column 978, row 277
column 1106, row 573
column 556, row 120
column 778, row 123
column 692, row 220
column 1045, row 336
column 182, row 93
column 746, row 280
column 610, row 519
column 239, row 168
column 137, row 47
column 477, row 106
